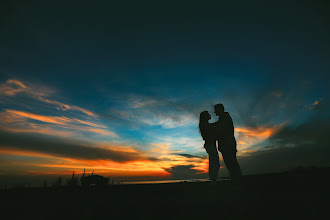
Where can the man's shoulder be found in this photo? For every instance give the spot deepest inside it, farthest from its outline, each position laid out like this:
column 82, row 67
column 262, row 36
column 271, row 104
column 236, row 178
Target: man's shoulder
column 227, row 115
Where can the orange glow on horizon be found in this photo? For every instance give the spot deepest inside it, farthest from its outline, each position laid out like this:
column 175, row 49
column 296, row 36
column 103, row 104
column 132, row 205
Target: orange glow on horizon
column 65, row 166
column 130, row 168
column 250, row 136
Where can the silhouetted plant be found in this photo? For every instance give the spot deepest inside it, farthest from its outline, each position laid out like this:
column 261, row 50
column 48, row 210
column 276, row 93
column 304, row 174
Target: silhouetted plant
column 58, row 182
column 73, row 181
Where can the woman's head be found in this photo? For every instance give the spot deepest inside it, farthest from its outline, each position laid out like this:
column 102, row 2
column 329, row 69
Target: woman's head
column 204, row 117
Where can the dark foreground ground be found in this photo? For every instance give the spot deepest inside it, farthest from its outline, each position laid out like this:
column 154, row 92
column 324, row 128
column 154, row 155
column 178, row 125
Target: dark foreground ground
column 294, row 195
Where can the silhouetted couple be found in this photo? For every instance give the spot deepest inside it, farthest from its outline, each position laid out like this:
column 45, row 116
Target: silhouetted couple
column 222, row 132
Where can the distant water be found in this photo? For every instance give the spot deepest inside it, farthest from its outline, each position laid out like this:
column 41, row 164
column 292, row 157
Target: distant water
column 170, row 181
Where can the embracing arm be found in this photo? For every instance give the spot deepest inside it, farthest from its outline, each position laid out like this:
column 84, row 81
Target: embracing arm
column 213, row 124
column 215, row 130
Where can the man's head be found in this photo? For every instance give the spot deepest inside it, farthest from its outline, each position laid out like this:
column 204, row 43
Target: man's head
column 219, row 109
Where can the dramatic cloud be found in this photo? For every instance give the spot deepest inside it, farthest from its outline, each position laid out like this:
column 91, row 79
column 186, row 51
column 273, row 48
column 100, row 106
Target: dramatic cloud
column 65, row 148
column 16, row 94
column 19, row 118
column 306, row 144
column 185, row 172
column 14, row 87
column 251, row 136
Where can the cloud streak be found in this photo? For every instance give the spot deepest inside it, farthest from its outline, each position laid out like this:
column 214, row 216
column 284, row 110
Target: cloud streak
column 65, row 148
column 191, row 156
column 10, row 116
column 14, row 87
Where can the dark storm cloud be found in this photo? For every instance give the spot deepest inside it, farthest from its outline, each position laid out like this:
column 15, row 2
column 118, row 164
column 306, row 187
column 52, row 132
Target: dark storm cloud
column 64, row 148
column 191, row 156
column 307, row 144
column 185, row 172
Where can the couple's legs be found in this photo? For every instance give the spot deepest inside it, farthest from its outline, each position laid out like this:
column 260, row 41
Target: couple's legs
column 214, row 163
column 232, row 165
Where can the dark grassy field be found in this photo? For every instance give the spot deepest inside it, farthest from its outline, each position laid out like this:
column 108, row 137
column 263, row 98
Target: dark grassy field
column 293, row 195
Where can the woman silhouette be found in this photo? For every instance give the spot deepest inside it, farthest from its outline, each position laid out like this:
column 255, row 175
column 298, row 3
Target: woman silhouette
column 208, row 134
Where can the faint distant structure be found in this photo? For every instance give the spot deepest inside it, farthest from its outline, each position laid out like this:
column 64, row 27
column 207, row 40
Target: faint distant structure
column 93, row 180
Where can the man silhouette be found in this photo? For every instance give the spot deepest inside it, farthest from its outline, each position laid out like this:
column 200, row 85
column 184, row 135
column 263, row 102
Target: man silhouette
column 226, row 142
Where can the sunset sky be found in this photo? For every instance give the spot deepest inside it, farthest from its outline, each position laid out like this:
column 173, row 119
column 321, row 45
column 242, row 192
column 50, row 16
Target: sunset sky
column 118, row 88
